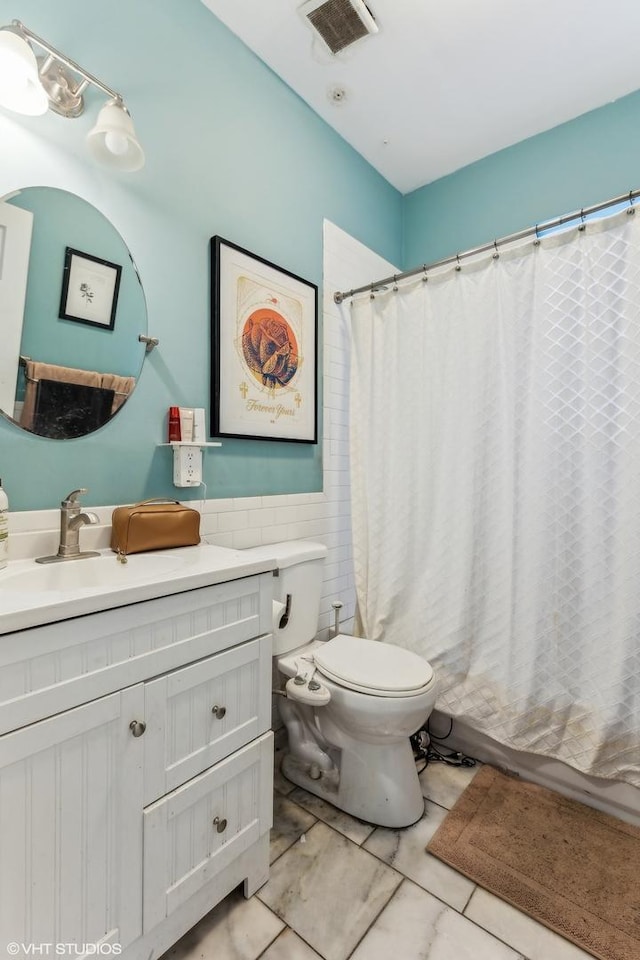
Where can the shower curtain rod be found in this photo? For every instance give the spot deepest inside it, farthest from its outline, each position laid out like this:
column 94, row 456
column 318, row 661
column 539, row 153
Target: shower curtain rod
column 539, row 228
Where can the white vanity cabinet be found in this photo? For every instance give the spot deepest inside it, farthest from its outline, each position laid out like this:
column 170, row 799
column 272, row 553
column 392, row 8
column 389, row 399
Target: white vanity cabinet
column 70, row 830
column 136, row 767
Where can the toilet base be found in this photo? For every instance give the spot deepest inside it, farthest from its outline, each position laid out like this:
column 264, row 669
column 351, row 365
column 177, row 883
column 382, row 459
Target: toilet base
column 377, row 784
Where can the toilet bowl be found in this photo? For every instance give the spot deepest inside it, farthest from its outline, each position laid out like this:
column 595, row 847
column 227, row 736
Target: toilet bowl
column 349, row 704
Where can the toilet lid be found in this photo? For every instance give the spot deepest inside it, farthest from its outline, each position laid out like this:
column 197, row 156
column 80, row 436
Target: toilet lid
column 372, row 666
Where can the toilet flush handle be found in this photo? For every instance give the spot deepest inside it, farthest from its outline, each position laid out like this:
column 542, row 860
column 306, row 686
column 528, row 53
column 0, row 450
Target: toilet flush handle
column 284, row 619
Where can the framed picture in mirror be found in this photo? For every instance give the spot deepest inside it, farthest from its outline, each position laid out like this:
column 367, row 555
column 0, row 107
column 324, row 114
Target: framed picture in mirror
column 90, row 288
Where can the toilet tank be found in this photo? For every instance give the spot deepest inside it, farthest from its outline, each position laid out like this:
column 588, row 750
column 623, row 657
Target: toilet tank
column 296, row 591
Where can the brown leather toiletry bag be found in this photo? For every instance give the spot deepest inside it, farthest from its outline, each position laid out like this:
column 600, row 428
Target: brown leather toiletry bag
column 154, row 525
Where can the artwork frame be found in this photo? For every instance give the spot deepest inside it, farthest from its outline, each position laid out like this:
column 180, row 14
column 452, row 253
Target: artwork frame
column 264, row 348
column 90, row 287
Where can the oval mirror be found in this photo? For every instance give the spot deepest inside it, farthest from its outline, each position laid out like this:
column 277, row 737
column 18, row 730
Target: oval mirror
column 72, row 309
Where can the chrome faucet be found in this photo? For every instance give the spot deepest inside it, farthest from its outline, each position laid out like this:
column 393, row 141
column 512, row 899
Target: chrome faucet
column 72, row 517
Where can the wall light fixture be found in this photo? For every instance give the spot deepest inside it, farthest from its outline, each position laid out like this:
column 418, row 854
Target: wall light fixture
column 31, row 85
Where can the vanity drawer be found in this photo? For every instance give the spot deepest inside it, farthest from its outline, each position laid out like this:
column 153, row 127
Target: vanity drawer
column 49, row 669
column 200, row 714
column 198, row 830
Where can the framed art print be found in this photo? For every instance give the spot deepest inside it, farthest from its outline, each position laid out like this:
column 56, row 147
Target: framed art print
column 264, row 340
column 89, row 289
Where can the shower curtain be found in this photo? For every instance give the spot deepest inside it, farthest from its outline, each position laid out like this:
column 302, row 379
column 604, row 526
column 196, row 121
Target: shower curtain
column 495, row 461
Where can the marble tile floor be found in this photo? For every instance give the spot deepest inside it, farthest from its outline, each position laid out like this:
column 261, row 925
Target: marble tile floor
column 340, row 888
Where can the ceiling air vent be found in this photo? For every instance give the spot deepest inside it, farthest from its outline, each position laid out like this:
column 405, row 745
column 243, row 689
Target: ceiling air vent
column 339, row 22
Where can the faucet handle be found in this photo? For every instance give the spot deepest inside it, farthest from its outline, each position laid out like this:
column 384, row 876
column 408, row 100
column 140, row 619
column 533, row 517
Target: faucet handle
column 73, row 496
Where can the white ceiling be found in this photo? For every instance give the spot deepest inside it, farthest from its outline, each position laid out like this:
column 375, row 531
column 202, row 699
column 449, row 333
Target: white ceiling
column 444, row 84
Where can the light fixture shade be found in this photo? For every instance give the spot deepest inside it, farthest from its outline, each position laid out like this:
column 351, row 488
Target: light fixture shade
column 112, row 142
column 20, row 87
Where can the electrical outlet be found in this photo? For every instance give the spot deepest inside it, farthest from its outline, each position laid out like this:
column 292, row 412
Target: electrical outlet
column 187, row 466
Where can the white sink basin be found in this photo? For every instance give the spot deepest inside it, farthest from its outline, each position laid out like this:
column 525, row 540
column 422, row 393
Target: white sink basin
column 91, row 573
column 33, row 594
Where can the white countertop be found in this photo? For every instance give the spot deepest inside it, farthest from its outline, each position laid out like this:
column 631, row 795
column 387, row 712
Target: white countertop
column 24, row 604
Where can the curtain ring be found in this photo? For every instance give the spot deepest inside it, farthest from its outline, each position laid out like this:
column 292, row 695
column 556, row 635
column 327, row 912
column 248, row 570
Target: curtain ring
column 536, row 241
column 372, row 295
column 425, row 278
column 458, row 267
column 395, row 284
column 582, row 222
column 495, row 254
column 631, row 208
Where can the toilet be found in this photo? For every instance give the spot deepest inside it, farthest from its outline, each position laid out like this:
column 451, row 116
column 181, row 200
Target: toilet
column 349, row 704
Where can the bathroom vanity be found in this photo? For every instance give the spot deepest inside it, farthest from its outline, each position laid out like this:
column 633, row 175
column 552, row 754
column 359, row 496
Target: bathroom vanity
column 136, row 757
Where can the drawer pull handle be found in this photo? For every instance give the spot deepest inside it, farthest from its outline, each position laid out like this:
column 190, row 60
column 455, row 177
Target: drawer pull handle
column 220, row 824
column 218, row 712
column 137, row 727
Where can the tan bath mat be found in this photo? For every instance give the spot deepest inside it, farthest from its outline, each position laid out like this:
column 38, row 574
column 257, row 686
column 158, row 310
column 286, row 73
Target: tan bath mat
column 574, row 869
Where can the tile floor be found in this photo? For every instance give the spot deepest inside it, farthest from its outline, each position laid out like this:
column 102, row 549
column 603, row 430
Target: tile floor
column 340, row 888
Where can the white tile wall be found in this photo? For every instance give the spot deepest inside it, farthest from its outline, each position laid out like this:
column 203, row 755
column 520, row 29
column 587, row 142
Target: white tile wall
column 347, row 264
column 251, row 521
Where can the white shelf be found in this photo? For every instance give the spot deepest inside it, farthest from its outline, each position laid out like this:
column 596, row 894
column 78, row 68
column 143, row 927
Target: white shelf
column 190, row 443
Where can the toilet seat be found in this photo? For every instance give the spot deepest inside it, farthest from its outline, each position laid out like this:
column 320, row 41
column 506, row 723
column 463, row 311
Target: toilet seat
column 372, row 667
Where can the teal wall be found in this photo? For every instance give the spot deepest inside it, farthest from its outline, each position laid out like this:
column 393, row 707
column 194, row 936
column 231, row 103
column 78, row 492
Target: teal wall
column 232, row 151
column 590, row 159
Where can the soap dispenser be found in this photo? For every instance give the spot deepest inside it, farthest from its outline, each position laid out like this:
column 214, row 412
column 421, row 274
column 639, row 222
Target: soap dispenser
column 4, row 528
